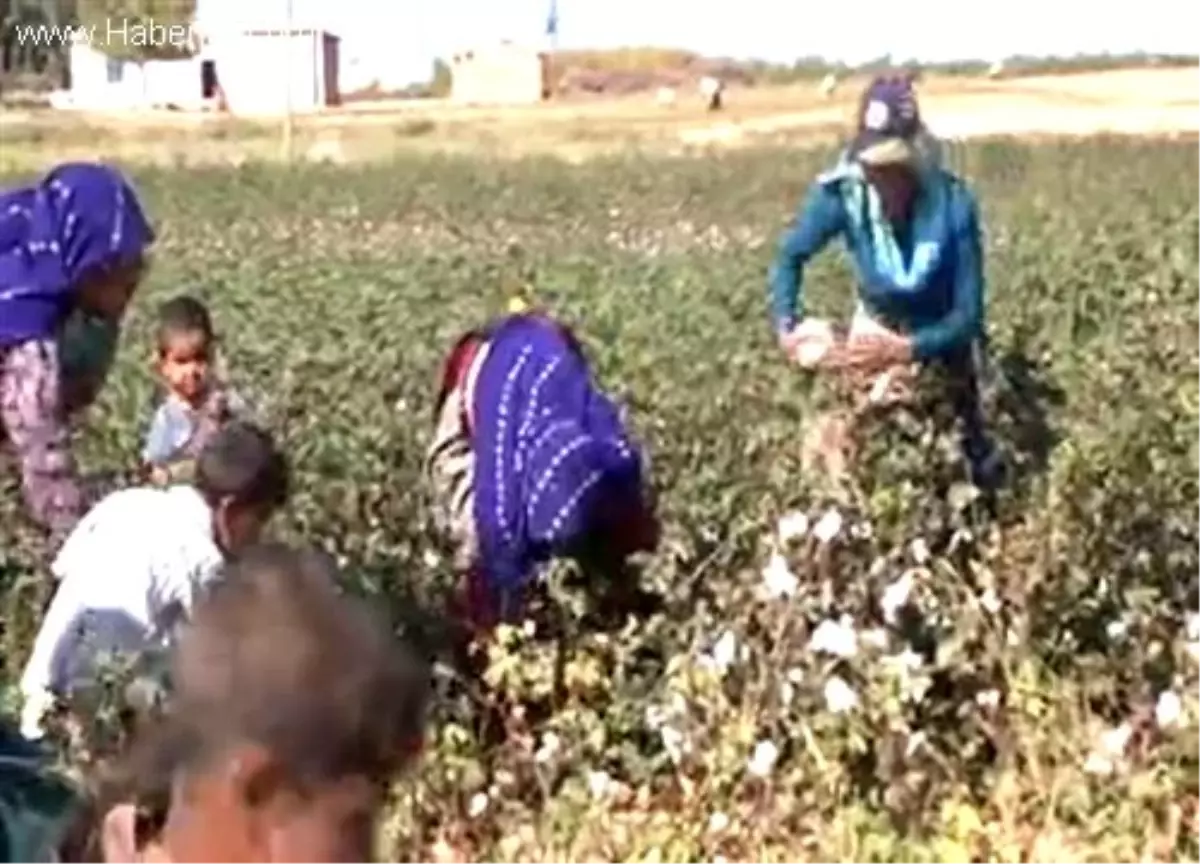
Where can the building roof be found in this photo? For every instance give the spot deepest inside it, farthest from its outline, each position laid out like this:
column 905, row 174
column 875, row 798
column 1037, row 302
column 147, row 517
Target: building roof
column 495, row 50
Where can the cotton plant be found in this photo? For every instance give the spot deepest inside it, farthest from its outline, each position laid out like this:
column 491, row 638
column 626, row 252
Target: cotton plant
column 870, row 610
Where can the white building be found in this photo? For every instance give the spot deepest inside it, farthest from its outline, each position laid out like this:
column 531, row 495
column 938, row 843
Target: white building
column 255, row 71
column 500, row 74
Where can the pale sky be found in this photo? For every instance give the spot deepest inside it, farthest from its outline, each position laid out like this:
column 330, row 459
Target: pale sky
column 398, row 39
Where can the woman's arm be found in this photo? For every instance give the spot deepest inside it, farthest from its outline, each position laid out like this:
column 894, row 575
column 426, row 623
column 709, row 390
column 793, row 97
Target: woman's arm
column 56, row 638
column 31, row 410
column 87, row 349
column 820, row 219
column 964, row 321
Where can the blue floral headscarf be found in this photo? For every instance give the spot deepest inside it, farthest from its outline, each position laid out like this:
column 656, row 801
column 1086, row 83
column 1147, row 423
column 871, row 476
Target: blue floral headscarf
column 79, row 217
column 551, row 453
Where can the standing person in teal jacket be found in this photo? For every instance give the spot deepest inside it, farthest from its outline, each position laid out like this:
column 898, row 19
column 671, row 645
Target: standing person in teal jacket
column 912, row 230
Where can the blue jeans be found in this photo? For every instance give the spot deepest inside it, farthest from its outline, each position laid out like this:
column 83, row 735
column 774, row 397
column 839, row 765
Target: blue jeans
column 964, row 368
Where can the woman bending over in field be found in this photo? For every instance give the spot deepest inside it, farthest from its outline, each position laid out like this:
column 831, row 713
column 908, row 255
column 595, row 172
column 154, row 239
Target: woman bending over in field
column 72, row 251
column 912, row 229
column 531, row 461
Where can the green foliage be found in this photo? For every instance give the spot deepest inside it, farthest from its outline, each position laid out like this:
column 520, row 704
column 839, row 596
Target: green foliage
column 999, row 698
column 440, row 84
column 140, row 29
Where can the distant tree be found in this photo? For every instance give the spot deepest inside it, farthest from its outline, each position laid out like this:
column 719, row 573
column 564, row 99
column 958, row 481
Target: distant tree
column 20, row 55
column 139, row 29
column 440, row 84
column 6, row 48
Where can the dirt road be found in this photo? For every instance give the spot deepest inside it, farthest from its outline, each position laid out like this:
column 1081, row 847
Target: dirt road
column 1151, row 101
column 1131, row 102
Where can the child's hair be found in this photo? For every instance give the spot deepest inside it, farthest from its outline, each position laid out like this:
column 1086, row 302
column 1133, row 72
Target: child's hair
column 183, row 314
column 243, row 463
column 276, row 655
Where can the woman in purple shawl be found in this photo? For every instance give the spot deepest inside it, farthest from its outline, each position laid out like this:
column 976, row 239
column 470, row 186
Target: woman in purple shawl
column 530, row 461
column 72, row 251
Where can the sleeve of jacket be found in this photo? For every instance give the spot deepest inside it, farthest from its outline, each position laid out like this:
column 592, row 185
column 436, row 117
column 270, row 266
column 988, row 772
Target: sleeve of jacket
column 964, row 322
column 821, row 218
column 159, row 445
column 40, row 682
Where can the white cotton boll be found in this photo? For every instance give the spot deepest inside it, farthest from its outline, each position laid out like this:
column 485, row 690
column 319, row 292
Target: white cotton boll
column 895, row 597
column 674, row 743
column 814, row 338
column 599, row 783
column 1106, row 757
column 656, row 716
column 549, row 749
column 915, row 741
column 1168, row 710
column 864, row 326
column 724, row 653
column 479, row 803
column 787, row 694
column 718, row 822
column 1193, row 627
column 778, row 578
column 1114, row 741
column 990, row 601
column 876, row 638
column 987, row 698
column 762, row 760
column 839, row 696
column 809, row 353
column 1098, row 764
column 835, row 637
column 431, row 559
column 1116, row 629
column 829, row 526
column 919, row 550
column 879, row 389
column 792, row 526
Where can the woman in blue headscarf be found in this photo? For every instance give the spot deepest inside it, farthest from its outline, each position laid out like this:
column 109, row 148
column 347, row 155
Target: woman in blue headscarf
column 72, row 251
column 912, row 230
column 531, row 461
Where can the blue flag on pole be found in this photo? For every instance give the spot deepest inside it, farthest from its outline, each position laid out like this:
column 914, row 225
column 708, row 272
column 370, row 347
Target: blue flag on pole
column 552, row 19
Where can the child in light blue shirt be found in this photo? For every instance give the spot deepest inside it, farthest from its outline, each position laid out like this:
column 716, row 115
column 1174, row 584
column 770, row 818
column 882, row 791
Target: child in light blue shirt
column 196, row 404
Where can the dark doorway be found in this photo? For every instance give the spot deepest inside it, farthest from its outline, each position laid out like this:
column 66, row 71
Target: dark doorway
column 209, row 84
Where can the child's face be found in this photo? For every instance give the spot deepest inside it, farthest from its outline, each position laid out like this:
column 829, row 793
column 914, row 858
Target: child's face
column 183, row 363
column 262, row 820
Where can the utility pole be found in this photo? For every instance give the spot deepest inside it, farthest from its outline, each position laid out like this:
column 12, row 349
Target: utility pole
column 288, row 120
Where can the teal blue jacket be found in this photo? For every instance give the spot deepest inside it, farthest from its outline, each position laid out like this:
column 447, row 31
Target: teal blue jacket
column 943, row 315
column 36, row 803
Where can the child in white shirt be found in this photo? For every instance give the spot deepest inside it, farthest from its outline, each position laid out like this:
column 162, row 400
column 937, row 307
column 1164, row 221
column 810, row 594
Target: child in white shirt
column 197, row 403
column 131, row 569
